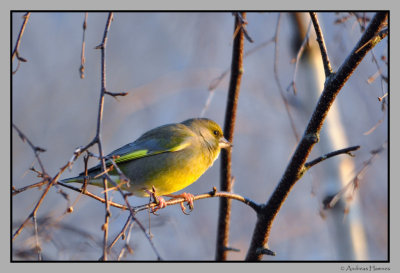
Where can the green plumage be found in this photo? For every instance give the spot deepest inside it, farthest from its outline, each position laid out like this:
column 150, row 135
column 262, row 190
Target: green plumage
column 168, row 158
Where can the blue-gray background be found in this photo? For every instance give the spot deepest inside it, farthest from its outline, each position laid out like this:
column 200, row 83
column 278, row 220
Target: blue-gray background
column 166, row 61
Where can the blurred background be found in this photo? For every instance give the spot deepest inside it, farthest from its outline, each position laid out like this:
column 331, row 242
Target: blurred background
column 167, row 62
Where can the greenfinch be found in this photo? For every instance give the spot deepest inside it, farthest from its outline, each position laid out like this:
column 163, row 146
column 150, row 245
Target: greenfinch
column 164, row 160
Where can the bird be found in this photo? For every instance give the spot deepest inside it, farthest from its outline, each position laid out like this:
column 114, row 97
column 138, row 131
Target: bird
column 163, row 160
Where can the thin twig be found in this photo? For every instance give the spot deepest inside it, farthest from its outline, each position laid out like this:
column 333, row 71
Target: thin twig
column 102, row 47
column 354, row 183
column 216, row 81
column 229, row 128
column 121, row 233
column 375, row 126
column 38, row 249
column 117, row 187
column 299, row 54
column 77, row 153
column 15, row 52
column 348, row 151
column 83, row 60
column 281, row 93
column 214, row 193
column 47, row 180
column 133, row 213
column 295, row 168
column 36, row 185
column 322, row 46
column 372, row 78
column 87, row 193
column 115, row 95
column 36, row 149
column 38, row 204
column 84, row 185
column 126, row 247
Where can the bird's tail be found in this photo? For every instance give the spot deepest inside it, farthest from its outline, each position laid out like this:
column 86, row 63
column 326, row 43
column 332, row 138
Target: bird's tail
column 96, row 181
column 81, row 178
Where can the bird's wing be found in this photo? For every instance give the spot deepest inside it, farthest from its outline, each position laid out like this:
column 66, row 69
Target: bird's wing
column 167, row 138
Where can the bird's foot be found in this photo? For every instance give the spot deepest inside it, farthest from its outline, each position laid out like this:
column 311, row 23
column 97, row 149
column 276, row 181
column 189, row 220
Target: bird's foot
column 160, row 201
column 188, row 198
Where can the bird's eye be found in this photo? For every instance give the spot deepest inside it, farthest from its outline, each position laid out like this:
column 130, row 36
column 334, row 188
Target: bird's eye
column 216, row 133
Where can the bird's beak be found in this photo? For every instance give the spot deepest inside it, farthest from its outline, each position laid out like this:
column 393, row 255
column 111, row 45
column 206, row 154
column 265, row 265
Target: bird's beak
column 223, row 143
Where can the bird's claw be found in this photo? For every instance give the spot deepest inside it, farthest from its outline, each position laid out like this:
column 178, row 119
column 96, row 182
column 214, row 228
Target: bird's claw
column 189, row 198
column 160, row 204
column 160, row 201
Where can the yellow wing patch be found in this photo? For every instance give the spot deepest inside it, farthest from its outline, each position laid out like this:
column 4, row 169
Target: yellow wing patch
column 179, row 147
column 131, row 156
column 143, row 153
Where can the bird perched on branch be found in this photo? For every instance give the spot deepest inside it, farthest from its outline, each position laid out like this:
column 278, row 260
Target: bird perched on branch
column 163, row 160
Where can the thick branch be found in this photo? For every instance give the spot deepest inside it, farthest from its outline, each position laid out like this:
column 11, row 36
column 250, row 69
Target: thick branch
column 229, row 127
column 295, row 168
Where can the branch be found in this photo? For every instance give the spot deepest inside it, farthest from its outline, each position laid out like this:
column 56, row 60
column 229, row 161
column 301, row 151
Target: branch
column 298, row 56
column 330, row 201
column 216, row 81
column 321, row 43
column 82, row 67
column 34, row 211
column 96, row 140
column 15, row 52
column 115, row 95
column 295, row 169
column 47, row 180
column 102, row 47
column 121, row 233
column 229, row 127
column 86, row 192
column 348, row 151
column 281, row 93
column 36, row 149
column 211, row 194
column 36, row 185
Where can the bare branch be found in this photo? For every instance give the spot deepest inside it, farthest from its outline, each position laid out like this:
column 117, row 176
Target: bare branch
column 83, row 60
column 348, row 151
column 281, row 92
column 133, row 213
column 102, row 47
column 322, row 46
column 36, row 149
column 87, row 193
column 121, row 233
column 32, row 215
column 295, row 167
column 215, row 82
column 256, row 207
column 229, row 127
column 299, row 54
column 115, row 95
column 331, row 201
column 36, row 185
column 15, row 52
